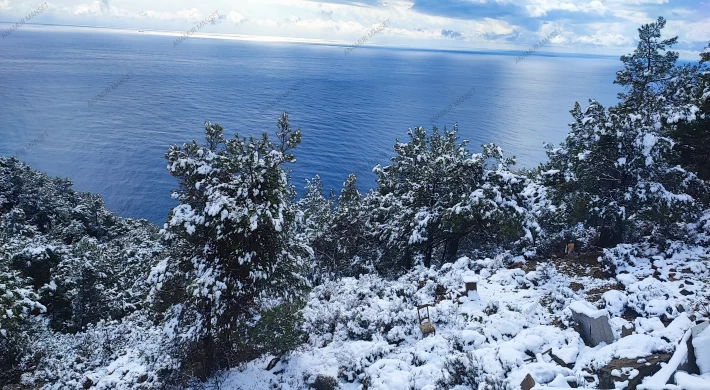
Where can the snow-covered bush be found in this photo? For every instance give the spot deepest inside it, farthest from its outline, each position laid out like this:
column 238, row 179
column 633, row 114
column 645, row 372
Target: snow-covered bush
column 365, row 307
column 651, row 298
column 466, row 370
column 18, row 301
column 627, row 258
column 125, row 355
column 336, row 229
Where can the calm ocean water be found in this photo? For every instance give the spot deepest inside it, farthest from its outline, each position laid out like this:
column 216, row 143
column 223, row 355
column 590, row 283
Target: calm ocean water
column 350, row 108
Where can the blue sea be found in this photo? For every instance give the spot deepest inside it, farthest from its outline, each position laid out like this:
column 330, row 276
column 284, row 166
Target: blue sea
column 350, row 108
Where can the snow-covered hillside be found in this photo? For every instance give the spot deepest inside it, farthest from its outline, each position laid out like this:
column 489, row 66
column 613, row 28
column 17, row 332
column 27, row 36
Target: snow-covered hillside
column 364, row 333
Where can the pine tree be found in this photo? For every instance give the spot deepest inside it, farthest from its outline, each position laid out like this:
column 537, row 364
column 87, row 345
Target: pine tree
column 692, row 132
column 646, row 71
column 436, row 194
column 616, row 174
column 233, row 236
column 352, row 241
column 316, row 220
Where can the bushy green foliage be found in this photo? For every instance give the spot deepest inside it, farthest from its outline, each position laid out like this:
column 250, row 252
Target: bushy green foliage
column 278, row 329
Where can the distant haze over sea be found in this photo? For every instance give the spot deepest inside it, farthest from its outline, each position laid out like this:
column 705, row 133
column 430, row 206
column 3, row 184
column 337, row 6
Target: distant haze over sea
column 350, row 108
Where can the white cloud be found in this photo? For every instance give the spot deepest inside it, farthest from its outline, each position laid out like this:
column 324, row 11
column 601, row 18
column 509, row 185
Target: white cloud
column 414, row 23
column 603, row 39
column 88, row 9
column 190, row 15
column 698, row 31
column 235, row 17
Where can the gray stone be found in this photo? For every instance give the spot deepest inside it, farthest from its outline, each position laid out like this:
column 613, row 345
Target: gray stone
column 593, row 330
column 690, row 365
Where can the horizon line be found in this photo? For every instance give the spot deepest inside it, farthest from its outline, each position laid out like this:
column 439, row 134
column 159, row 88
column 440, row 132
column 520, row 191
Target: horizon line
column 312, row 41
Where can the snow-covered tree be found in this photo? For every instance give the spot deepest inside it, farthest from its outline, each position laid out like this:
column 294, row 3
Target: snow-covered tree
column 232, row 232
column 689, row 124
column 618, row 170
column 315, row 220
column 337, row 229
column 617, row 174
column 669, row 98
column 436, row 194
column 647, row 71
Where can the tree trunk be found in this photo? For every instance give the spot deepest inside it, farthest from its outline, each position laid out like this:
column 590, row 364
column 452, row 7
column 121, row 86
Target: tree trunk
column 451, row 248
column 428, row 253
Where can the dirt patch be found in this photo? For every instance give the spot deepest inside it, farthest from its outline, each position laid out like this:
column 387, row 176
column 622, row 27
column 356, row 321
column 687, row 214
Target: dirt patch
column 575, row 265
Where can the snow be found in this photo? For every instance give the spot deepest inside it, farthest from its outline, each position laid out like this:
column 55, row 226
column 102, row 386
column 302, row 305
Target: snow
column 367, row 328
column 615, row 301
column 686, row 381
column 701, row 343
column 559, row 382
column 584, row 307
column 659, row 379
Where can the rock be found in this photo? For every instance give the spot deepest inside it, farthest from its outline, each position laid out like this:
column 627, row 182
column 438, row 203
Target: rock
column 593, row 324
column 627, row 330
column 272, row 363
column 686, row 292
column 527, row 383
column 620, row 370
column 666, row 320
column 690, row 365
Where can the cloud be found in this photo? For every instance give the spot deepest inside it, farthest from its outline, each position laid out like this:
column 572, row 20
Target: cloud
column 588, row 25
column 190, row 15
column 452, row 34
column 218, row 19
column 289, row 20
column 235, row 17
column 362, row 3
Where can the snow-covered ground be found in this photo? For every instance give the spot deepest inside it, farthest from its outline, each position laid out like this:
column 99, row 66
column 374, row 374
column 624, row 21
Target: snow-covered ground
column 364, row 333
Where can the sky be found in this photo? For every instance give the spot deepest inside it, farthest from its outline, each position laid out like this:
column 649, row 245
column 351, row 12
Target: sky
column 598, row 27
